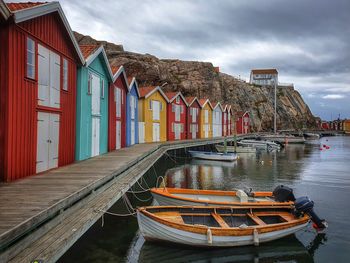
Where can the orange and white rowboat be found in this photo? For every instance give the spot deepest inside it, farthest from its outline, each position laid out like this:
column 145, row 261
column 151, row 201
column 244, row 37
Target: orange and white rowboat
column 218, row 226
column 193, row 197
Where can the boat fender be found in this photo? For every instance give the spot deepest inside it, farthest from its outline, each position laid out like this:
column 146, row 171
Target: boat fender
column 243, row 226
column 209, row 236
column 256, row 237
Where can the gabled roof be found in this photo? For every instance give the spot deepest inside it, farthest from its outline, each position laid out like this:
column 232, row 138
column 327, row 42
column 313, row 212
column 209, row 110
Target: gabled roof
column 240, row 113
column 145, row 92
column 117, row 70
column 91, row 52
column 191, row 100
column 224, row 108
column 217, row 104
column 171, row 96
column 229, row 109
column 4, row 11
column 26, row 11
column 203, row 102
column 265, row 71
column 132, row 81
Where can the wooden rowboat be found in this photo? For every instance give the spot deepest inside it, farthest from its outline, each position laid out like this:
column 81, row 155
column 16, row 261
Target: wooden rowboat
column 213, row 156
column 218, row 226
column 193, row 197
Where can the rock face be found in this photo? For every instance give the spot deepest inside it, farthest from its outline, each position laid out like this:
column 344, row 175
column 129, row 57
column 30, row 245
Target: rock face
column 201, row 79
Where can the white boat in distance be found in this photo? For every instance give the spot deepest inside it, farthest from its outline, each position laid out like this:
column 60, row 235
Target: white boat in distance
column 260, row 144
column 218, row 226
column 231, row 149
column 229, row 157
column 283, row 138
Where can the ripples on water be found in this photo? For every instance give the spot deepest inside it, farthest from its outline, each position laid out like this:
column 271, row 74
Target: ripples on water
column 323, row 175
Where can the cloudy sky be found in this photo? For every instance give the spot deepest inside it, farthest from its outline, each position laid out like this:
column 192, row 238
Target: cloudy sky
column 307, row 41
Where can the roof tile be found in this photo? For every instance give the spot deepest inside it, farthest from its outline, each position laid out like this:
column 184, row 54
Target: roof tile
column 87, row 50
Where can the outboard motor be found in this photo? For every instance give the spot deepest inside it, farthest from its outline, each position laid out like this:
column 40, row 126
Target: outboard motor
column 305, row 205
column 283, row 194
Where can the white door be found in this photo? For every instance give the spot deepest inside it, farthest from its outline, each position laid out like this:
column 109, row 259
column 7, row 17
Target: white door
column 177, row 130
column 47, row 141
column 141, row 132
column 118, row 135
column 206, row 130
column 194, row 131
column 95, row 136
column 49, row 78
column 132, row 131
column 156, row 132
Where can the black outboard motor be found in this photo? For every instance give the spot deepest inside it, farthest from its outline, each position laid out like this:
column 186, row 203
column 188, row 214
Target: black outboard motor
column 305, row 205
column 283, row 194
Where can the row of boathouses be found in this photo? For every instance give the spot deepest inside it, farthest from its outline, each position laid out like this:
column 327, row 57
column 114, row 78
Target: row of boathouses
column 62, row 102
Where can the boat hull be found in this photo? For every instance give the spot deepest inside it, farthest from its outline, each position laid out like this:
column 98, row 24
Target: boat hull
column 213, row 156
column 156, row 231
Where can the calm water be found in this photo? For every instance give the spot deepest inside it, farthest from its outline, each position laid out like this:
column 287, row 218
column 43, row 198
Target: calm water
column 321, row 175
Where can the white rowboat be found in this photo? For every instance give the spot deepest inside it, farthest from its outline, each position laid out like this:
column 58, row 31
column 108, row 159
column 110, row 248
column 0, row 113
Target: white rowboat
column 231, row 149
column 213, row 156
column 260, row 144
column 218, row 226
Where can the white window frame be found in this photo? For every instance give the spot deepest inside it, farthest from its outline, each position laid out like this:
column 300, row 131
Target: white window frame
column 30, row 53
column 102, row 88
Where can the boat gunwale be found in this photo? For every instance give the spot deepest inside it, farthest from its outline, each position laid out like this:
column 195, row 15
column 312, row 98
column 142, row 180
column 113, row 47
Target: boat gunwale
column 219, row 231
column 169, row 194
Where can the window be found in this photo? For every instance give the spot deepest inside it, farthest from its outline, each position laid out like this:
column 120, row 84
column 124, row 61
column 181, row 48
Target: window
column 150, row 104
column 118, row 96
column 102, row 88
column 65, row 74
column 177, row 112
column 177, row 99
column 206, row 116
column 30, row 58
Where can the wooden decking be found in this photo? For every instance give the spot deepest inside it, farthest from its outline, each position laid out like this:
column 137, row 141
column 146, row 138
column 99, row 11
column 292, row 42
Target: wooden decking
column 43, row 215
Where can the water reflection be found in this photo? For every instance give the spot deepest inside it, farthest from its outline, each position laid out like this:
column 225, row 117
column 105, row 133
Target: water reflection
column 288, row 249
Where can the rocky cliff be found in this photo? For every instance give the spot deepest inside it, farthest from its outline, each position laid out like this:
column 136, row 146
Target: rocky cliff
column 201, row 79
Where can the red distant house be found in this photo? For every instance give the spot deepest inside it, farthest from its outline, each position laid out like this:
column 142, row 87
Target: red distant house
column 193, row 115
column 176, row 116
column 325, row 125
column 224, row 120
column 38, row 66
column 242, row 122
column 117, row 109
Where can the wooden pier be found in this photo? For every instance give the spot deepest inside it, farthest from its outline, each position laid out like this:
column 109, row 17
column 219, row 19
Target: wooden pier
column 42, row 216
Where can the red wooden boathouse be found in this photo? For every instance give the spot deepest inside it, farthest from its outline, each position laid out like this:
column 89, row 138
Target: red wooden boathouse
column 242, row 122
column 117, row 109
column 38, row 65
column 176, row 116
column 193, row 116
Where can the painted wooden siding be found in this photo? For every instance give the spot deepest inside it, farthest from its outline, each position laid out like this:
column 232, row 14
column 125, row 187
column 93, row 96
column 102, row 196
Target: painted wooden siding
column 132, row 92
column 147, row 117
column 84, row 116
column 120, row 82
column 202, row 123
column 19, row 106
column 189, row 120
column 171, row 120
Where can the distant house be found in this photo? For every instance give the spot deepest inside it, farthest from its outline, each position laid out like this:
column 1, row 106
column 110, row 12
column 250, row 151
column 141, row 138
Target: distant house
column 242, row 122
column 229, row 118
column 176, row 116
column 346, row 126
column 132, row 110
column 193, row 116
column 152, row 114
column 39, row 57
column 264, row 77
column 325, row 125
column 206, row 115
column 217, row 119
column 118, row 91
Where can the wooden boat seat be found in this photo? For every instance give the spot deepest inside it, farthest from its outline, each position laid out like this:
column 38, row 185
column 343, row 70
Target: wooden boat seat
column 256, row 219
column 220, row 221
column 171, row 216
